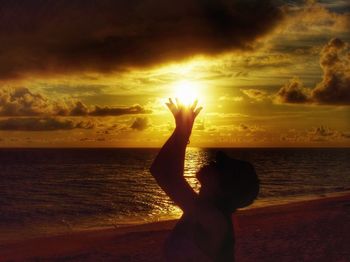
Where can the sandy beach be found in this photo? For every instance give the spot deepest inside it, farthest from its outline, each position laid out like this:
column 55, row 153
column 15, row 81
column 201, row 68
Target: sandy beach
column 313, row 230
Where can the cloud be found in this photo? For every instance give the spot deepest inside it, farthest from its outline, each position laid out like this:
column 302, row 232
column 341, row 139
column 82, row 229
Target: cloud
column 117, row 111
column 322, row 133
column 313, row 18
column 335, row 85
column 243, row 127
column 315, row 134
column 346, row 134
column 42, row 124
column 248, row 128
column 255, row 94
column 293, row 92
column 231, row 98
column 101, row 36
column 200, row 125
column 334, row 89
column 261, row 61
column 21, row 101
column 140, row 123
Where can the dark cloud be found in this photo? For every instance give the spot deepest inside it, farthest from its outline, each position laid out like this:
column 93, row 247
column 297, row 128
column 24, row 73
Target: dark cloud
column 56, row 36
column 140, row 123
column 243, row 127
column 293, row 92
column 79, row 109
column 22, row 102
column 334, row 89
column 42, row 124
column 323, row 133
column 335, row 85
column 115, row 111
column 346, row 134
column 248, row 128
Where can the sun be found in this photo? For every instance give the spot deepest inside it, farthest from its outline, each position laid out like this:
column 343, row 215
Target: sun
column 186, row 91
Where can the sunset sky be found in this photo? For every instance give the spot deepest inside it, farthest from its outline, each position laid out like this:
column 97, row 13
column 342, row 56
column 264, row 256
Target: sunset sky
column 91, row 73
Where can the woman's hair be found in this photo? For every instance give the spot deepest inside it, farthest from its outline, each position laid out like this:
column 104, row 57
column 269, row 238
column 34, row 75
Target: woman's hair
column 237, row 180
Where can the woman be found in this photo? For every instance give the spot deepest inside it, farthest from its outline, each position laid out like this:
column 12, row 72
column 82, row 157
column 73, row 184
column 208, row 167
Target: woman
column 205, row 230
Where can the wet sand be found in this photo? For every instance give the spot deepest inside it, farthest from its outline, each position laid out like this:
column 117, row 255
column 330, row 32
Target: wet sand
column 314, row 230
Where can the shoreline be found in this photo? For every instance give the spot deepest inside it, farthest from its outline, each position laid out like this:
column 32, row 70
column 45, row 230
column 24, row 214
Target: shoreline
column 125, row 224
column 144, row 241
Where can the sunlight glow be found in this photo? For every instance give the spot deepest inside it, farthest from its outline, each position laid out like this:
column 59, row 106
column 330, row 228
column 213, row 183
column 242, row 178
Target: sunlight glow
column 186, row 91
column 193, row 67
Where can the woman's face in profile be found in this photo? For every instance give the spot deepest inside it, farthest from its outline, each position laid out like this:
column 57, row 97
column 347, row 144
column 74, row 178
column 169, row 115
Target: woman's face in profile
column 208, row 177
column 211, row 187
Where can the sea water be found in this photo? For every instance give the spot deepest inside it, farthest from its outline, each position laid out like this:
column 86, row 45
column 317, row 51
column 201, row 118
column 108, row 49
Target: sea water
column 54, row 191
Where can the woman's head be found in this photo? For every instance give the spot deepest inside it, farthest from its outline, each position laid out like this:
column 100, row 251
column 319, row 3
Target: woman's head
column 231, row 182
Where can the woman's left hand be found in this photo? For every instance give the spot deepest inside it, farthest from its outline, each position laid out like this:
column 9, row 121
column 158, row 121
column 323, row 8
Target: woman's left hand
column 184, row 116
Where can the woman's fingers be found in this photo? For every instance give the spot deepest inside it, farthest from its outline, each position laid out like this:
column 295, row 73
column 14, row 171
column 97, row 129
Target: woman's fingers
column 194, row 108
column 171, row 102
column 178, row 106
column 168, row 105
column 178, row 103
column 171, row 105
column 198, row 110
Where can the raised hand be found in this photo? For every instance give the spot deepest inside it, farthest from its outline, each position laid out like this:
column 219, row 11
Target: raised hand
column 184, row 115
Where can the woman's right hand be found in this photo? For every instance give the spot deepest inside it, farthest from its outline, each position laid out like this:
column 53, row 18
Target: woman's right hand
column 184, row 116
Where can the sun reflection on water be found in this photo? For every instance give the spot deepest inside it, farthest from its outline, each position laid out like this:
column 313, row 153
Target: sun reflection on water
column 195, row 158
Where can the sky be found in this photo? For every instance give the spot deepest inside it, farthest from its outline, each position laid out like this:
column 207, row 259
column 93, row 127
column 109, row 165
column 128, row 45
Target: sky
column 88, row 73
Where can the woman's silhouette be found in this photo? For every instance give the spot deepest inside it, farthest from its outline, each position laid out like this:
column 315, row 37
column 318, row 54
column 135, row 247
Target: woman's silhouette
column 205, row 230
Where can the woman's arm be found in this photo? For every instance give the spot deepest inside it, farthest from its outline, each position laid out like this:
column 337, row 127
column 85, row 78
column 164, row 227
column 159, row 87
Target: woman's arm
column 168, row 167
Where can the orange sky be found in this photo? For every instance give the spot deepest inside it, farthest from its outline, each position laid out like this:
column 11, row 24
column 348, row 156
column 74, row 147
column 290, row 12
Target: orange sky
column 97, row 76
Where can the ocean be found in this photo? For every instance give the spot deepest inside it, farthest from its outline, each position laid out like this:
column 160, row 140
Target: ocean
column 54, row 191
